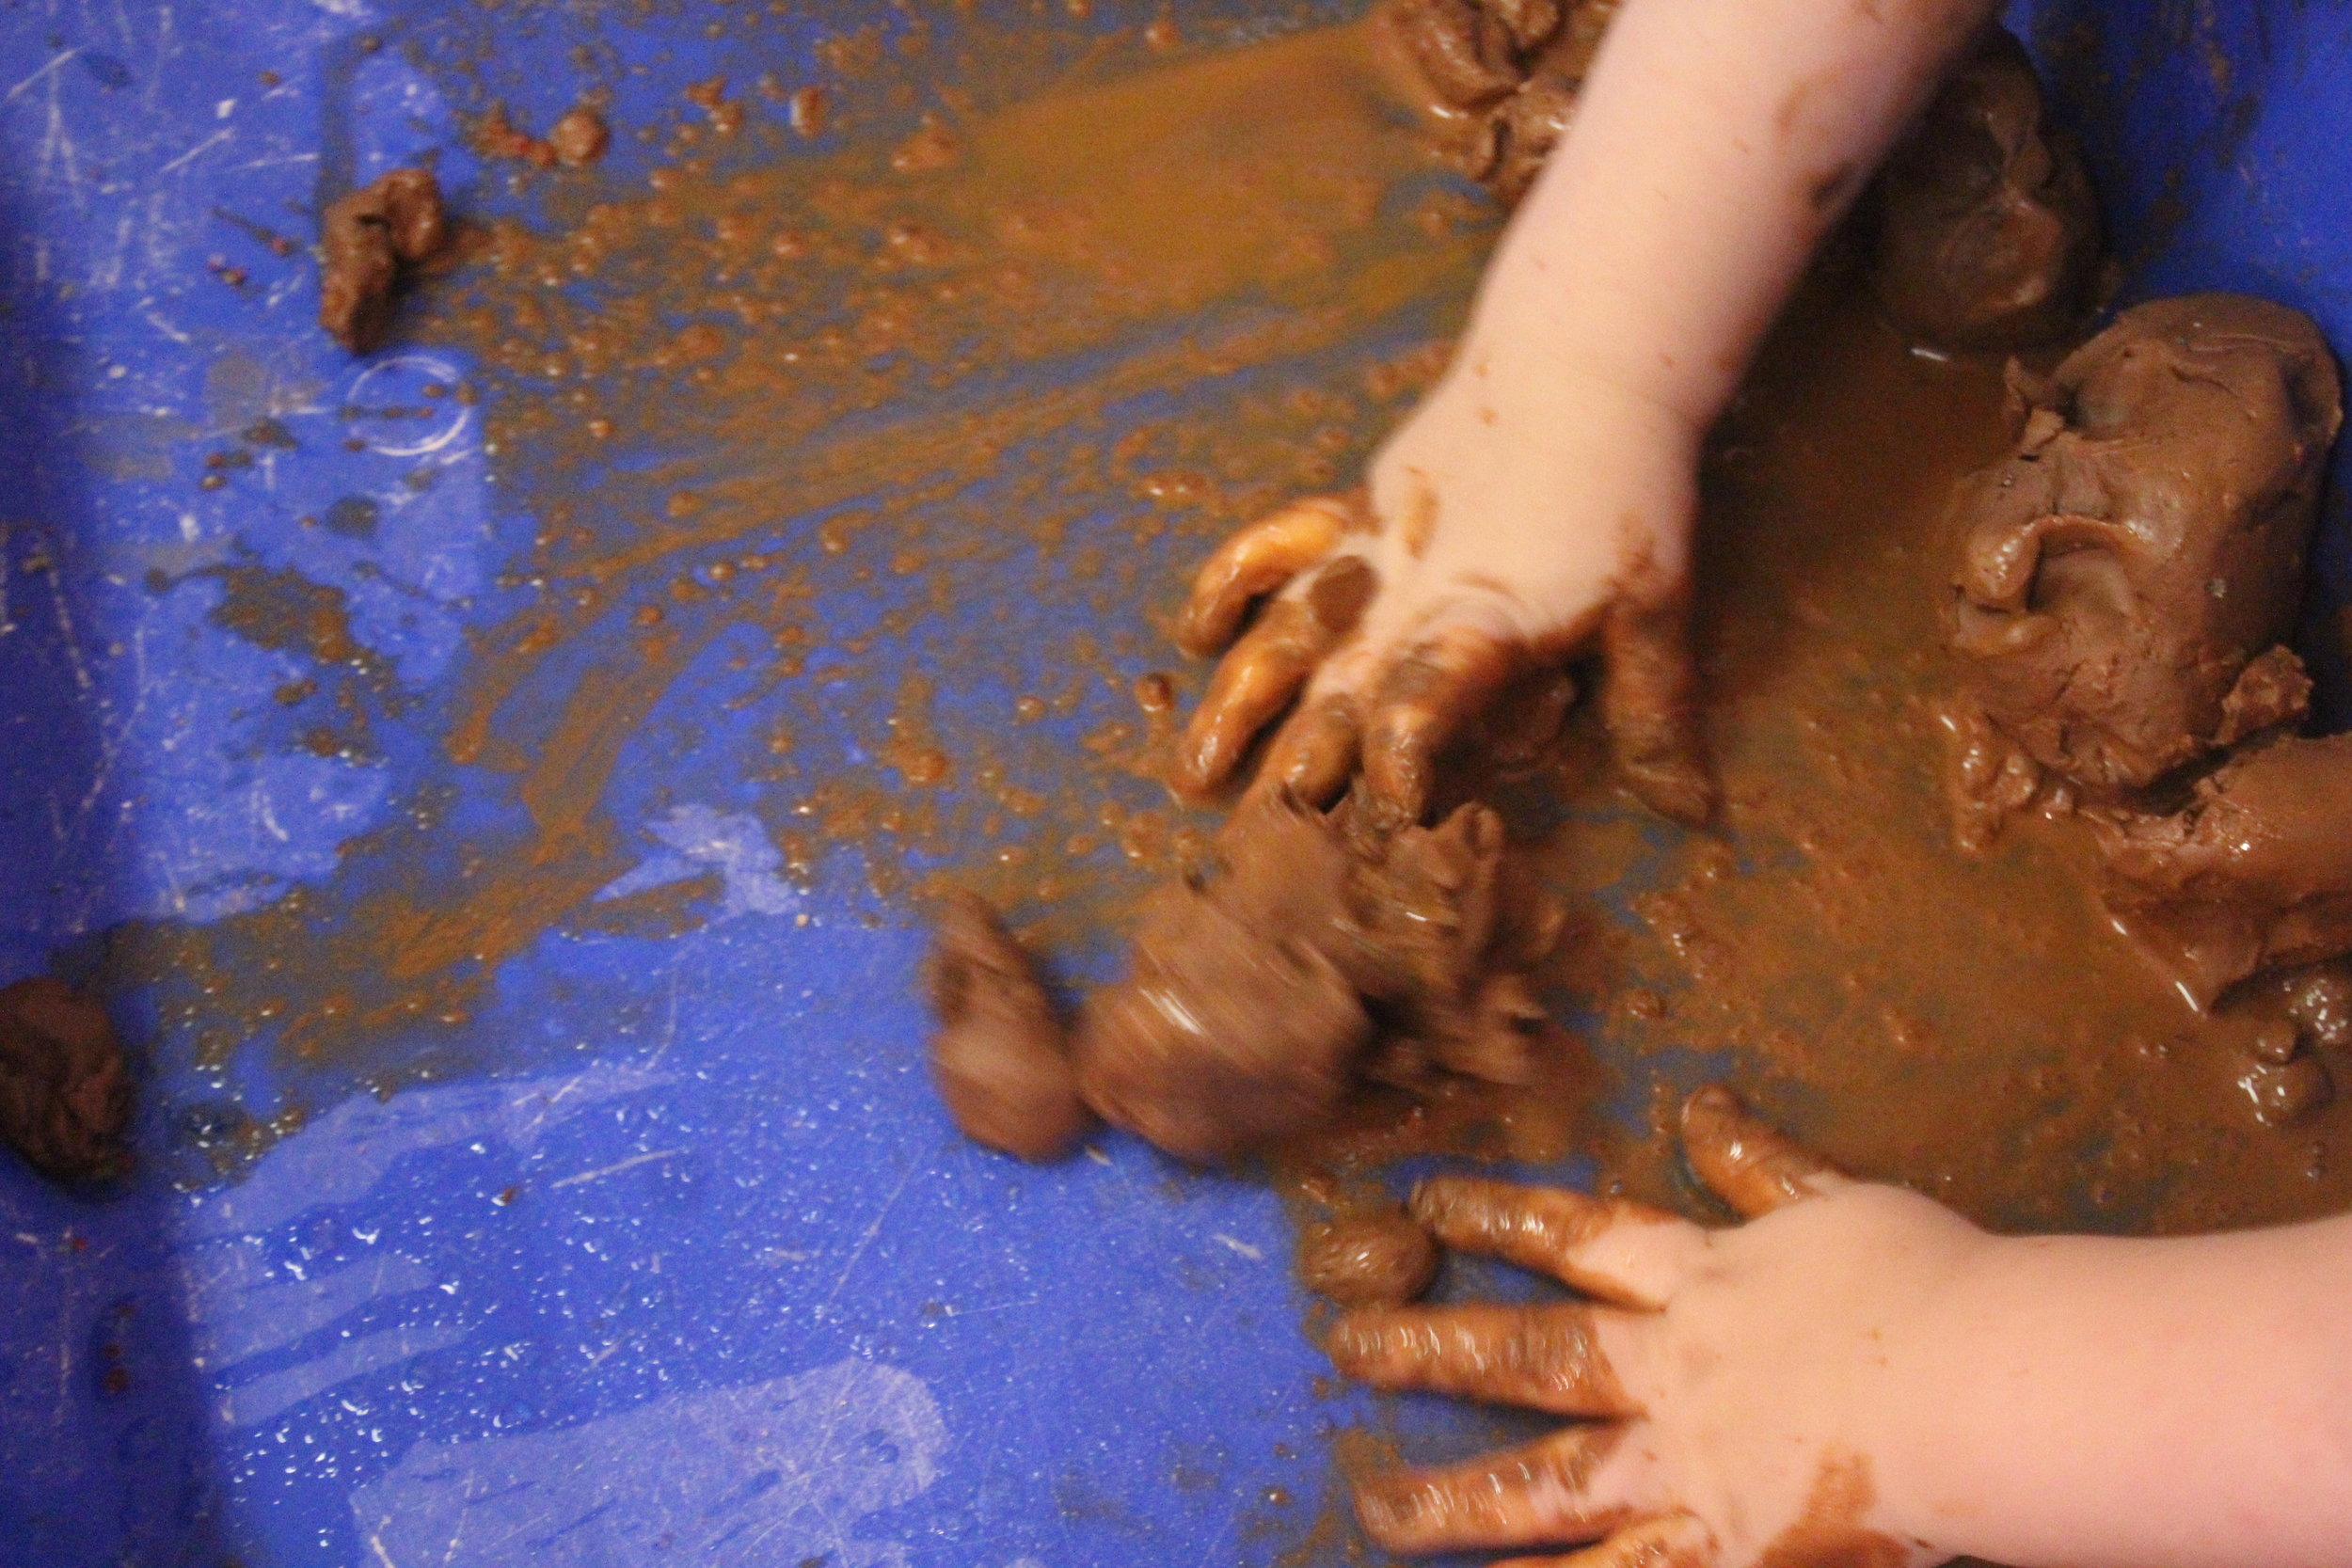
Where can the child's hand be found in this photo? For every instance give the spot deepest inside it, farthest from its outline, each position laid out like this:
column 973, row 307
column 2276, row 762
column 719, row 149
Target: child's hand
column 1518, row 517
column 1763, row 1395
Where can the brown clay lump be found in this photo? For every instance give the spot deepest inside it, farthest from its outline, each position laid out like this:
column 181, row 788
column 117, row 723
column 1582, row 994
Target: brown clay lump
column 65, row 1089
column 2254, row 874
column 373, row 241
column 1376, row 1258
column 1507, row 72
column 2129, row 568
column 1234, row 1027
column 999, row 1056
column 1315, row 953
column 578, row 136
column 1983, row 229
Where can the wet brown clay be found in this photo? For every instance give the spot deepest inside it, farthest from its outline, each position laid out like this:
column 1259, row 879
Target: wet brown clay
column 1984, row 230
column 2141, row 549
column 2254, row 874
column 371, row 242
column 65, row 1089
column 1314, row 952
column 999, row 1057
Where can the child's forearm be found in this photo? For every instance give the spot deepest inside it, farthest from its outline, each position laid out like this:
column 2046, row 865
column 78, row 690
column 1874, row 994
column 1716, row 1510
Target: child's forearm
column 1714, row 143
column 2142, row 1403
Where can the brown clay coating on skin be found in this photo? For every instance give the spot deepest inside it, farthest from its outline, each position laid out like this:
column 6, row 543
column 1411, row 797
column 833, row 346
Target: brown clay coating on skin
column 1984, row 229
column 1256, row 987
column 1427, row 695
column 1258, row 559
column 1256, row 679
column 2254, row 874
column 1365, row 1259
column 65, row 1089
column 1541, row 1357
column 2143, row 542
column 1536, row 1228
column 1514, row 1498
column 1750, row 1163
column 999, row 1057
column 1677, row 1540
column 1830, row 1534
column 370, row 243
column 1651, row 698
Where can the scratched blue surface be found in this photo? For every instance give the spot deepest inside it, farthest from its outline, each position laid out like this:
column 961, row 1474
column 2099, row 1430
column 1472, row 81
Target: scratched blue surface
column 759, row 1304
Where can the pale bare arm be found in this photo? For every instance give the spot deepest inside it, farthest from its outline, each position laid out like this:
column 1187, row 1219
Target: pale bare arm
column 1540, row 500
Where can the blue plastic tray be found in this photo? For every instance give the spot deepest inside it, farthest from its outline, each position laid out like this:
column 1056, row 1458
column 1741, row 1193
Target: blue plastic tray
column 664, row 1255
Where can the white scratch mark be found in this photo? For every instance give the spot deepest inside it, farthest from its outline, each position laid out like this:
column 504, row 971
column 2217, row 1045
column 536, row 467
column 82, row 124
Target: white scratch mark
column 614, row 1169
column 1253, row 1254
column 55, row 61
column 165, row 328
column 196, row 152
column 275, row 161
column 865, row 1240
column 375, row 1544
column 65, row 627
column 56, row 146
column 669, row 1026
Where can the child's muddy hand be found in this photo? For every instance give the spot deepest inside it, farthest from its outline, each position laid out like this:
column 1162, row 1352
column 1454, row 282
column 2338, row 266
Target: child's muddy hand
column 1504, row 531
column 1762, row 1395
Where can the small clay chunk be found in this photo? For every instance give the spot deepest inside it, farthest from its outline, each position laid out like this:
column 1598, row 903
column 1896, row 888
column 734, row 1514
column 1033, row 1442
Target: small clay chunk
column 1381, row 1258
column 65, row 1089
column 1984, row 229
column 2129, row 568
column 1311, row 954
column 578, row 138
column 2254, row 874
column 373, row 240
column 1505, row 72
column 999, row 1056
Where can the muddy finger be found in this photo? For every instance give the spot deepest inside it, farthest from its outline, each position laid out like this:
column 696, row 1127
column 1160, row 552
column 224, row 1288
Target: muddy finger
column 1314, row 755
column 1439, row 683
column 1544, row 1357
column 1649, row 700
column 1677, row 1540
column 1255, row 561
column 1548, row 1493
column 1262, row 673
column 1746, row 1161
column 1623, row 1252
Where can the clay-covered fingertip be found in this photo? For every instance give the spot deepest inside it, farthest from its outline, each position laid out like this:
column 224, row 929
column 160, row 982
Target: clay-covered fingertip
column 1385, row 1507
column 1205, row 629
column 1203, row 761
column 1435, row 1196
column 1357, row 1338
